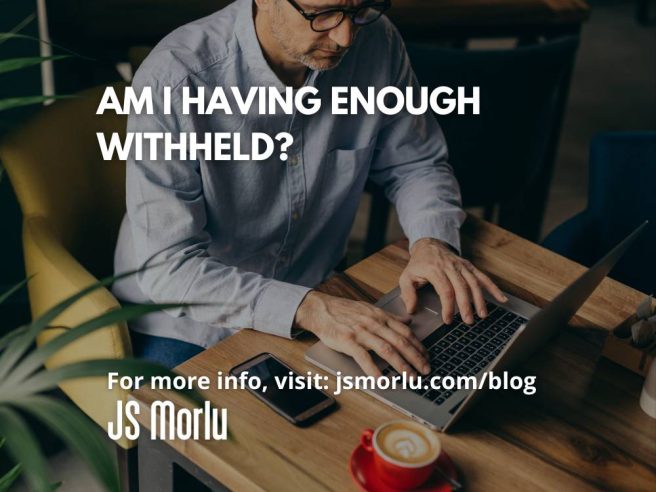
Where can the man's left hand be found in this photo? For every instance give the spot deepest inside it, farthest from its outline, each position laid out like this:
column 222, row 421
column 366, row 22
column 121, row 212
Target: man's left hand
column 455, row 280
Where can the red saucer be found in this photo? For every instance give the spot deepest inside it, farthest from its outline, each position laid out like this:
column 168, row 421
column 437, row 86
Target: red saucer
column 361, row 467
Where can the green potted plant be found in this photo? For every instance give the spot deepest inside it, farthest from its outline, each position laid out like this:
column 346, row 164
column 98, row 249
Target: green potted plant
column 19, row 63
column 13, row 64
column 23, row 380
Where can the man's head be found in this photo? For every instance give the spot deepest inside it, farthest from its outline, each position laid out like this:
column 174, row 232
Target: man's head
column 293, row 25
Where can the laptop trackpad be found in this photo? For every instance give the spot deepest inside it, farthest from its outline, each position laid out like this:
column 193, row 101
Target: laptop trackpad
column 425, row 320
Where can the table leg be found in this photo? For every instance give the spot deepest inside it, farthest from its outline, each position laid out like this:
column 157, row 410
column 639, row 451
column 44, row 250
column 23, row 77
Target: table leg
column 163, row 469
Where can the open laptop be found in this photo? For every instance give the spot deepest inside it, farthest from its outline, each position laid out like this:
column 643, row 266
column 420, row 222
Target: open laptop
column 509, row 334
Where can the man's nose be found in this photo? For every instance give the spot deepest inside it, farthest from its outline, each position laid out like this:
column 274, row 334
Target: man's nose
column 344, row 34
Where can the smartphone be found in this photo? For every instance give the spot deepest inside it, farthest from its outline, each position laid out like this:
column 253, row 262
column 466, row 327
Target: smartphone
column 300, row 407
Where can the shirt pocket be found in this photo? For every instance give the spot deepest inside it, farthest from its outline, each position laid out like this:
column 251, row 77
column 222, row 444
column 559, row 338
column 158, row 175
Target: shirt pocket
column 344, row 173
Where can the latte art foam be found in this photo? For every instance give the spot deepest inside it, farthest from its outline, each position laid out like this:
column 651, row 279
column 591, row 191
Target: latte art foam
column 404, row 443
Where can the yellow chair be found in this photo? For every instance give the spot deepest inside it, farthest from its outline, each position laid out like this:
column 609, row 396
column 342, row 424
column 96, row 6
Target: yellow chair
column 72, row 203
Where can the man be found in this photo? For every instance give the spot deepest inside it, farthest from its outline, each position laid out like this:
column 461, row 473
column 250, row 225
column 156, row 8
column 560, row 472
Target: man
column 244, row 242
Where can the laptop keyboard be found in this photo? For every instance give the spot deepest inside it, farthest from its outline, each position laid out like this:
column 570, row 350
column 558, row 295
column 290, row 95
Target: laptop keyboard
column 459, row 349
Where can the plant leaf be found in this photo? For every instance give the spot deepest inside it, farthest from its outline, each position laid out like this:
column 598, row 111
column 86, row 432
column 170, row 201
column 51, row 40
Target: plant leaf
column 19, row 345
column 24, row 449
column 77, row 432
column 10, row 477
column 13, row 64
column 37, row 357
column 48, row 379
column 6, row 295
column 4, row 36
column 15, row 102
column 18, row 27
column 5, row 340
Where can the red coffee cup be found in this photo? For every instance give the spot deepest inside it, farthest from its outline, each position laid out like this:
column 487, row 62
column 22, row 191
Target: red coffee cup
column 404, row 452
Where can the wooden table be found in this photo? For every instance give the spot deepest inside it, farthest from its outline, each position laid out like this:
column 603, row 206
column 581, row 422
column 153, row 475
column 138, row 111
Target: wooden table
column 582, row 430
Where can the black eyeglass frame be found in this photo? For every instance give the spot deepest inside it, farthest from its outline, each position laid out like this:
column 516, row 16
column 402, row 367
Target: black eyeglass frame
column 350, row 11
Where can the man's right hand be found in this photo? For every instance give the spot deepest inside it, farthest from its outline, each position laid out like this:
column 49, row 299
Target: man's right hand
column 354, row 328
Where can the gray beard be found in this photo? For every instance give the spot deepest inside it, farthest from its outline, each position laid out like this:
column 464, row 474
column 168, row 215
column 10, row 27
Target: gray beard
column 302, row 58
column 309, row 62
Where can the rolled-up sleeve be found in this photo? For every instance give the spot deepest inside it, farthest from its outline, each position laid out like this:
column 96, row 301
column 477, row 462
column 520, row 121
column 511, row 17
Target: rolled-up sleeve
column 411, row 164
column 167, row 215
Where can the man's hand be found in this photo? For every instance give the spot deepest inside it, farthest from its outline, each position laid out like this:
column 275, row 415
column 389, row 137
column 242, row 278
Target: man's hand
column 455, row 280
column 354, row 328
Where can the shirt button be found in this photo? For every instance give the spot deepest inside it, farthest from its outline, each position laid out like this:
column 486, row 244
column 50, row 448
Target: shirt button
column 293, row 160
column 295, row 216
column 283, row 259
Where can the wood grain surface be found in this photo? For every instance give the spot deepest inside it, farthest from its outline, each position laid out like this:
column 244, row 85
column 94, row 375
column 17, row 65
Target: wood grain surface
column 582, row 430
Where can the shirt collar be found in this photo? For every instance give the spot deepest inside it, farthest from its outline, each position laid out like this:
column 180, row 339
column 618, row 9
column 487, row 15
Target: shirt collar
column 261, row 72
column 250, row 46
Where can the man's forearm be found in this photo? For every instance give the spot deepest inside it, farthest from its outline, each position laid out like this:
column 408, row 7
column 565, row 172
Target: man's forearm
column 429, row 207
column 222, row 295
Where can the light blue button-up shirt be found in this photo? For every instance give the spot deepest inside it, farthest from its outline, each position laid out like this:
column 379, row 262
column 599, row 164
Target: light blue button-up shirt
column 246, row 241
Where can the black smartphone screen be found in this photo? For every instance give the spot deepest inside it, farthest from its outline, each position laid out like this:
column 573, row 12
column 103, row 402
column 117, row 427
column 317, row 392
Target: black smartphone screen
column 292, row 402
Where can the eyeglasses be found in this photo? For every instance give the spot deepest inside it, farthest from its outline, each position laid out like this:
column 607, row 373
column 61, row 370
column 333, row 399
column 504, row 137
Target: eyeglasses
column 361, row 15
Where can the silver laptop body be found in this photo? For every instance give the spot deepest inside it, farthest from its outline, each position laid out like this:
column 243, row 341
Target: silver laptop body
column 528, row 329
